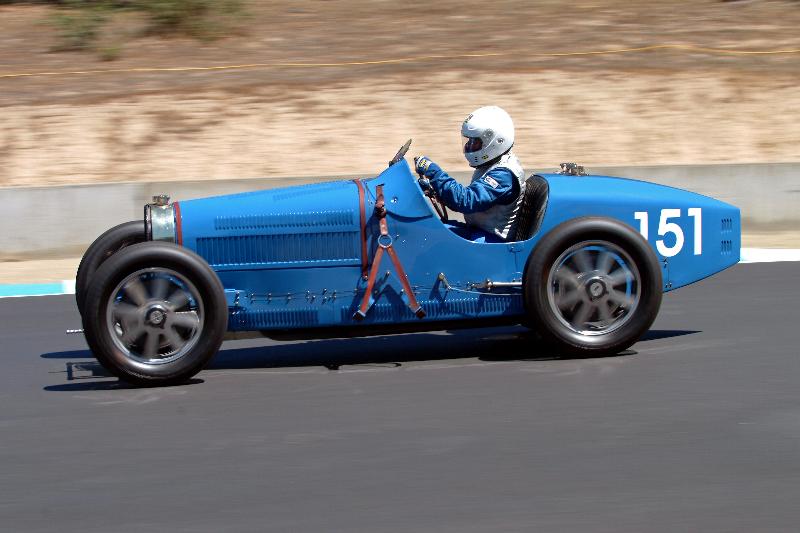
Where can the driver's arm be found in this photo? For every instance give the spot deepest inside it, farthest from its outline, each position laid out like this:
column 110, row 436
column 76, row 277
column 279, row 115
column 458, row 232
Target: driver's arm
column 496, row 187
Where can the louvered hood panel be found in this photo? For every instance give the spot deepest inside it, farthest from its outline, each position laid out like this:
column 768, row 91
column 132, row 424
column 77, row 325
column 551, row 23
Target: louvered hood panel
column 305, row 226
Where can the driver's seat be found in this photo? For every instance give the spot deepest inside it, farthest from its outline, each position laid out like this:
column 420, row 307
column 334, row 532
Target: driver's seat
column 534, row 204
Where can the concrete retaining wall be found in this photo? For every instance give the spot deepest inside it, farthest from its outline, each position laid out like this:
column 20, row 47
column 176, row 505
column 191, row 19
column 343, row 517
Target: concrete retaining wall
column 51, row 222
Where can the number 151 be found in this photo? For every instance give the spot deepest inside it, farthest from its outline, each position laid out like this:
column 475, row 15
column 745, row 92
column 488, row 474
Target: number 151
column 665, row 227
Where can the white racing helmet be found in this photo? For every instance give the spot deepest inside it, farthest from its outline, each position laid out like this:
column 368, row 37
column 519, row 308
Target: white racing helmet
column 488, row 133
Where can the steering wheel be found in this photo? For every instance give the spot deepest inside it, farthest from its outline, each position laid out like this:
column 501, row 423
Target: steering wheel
column 436, row 202
column 401, row 153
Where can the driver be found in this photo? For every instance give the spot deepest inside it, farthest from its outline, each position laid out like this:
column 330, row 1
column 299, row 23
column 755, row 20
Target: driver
column 491, row 201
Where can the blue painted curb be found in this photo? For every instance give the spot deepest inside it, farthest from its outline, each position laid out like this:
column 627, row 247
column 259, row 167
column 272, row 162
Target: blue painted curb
column 18, row 290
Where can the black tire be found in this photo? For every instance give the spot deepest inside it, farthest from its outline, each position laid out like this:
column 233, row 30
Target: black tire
column 103, row 247
column 187, row 277
column 550, row 287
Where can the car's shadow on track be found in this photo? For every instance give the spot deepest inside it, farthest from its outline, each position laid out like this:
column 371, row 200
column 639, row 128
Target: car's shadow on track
column 488, row 344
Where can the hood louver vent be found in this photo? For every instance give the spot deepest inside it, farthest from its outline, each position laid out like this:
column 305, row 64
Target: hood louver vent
column 301, row 249
column 284, row 221
column 726, row 247
column 727, row 225
column 278, row 318
column 448, row 310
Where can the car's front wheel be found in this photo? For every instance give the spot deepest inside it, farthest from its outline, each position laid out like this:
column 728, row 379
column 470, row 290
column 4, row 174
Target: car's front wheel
column 592, row 287
column 155, row 314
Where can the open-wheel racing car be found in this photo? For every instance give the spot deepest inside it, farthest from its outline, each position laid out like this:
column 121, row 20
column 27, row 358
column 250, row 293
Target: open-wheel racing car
column 586, row 269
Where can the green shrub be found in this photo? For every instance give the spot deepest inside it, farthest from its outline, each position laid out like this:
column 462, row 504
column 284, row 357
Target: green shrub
column 79, row 23
column 79, row 26
column 109, row 52
column 205, row 19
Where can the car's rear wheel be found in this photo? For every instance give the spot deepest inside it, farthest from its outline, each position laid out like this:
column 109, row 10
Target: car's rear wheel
column 592, row 287
column 155, row 314
column 106, row 245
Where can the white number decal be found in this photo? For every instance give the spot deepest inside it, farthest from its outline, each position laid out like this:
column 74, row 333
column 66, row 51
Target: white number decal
column 665, row 227
column 641, row 216
column 697, row 214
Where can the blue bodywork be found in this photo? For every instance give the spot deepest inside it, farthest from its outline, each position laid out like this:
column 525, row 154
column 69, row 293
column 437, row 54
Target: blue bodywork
column 291, row 258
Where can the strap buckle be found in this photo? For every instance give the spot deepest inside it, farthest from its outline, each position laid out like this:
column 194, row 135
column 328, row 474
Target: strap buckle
column 385, row 241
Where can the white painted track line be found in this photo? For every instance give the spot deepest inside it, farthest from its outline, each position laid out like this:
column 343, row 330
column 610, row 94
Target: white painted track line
column 769, row 255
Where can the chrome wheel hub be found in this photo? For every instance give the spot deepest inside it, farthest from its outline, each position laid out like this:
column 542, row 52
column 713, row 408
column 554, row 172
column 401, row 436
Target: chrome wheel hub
column 596, row 288
column 593, row 287
column 155, row 316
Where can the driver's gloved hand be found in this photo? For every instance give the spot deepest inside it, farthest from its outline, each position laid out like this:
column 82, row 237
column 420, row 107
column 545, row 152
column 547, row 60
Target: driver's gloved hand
column 426, row 167
column 425, row 184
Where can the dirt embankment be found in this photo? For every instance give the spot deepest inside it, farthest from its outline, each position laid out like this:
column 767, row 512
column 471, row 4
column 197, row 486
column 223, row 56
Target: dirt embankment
column 596, row 119
column 656, row 107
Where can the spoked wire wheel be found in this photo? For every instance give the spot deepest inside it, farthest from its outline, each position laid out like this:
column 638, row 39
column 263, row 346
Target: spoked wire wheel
column 155, row 316
column 594, row 287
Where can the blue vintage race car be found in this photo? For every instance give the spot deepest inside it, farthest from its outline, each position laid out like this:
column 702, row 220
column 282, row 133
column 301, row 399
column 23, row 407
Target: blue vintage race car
column 590, row 260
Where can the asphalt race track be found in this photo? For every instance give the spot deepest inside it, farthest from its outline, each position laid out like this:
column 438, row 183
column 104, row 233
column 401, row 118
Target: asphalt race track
column 697, row 429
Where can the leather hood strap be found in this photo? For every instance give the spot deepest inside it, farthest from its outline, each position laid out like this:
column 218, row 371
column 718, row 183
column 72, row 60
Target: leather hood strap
column 385, row 243
column 362, row 202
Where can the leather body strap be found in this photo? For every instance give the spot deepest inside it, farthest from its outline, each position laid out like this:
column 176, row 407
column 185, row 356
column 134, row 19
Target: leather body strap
column 362, row 202
column 385, row 243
